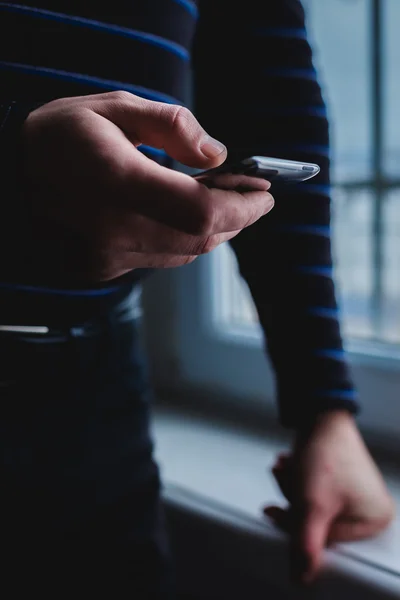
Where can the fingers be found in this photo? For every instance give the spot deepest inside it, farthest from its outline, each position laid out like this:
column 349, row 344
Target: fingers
column 182, row 203
column 308, row 538
column 283, row 459
column 149, row 237
column 136, row 233
column 311, row 530
column 171, row 127
column 348, row 530
column 310, row 535
column 308, row 523
column 283, row 471
column 171, row 197
column 109, row 266
column 280, row 516
column 150, row 245
column 229, row 181
column 175, row 243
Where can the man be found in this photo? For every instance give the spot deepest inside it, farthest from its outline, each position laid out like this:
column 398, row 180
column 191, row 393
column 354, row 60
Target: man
column 86, row 212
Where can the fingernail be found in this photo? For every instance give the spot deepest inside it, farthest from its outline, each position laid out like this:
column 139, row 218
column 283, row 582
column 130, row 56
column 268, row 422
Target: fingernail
column 271, row 204
column 211, row 147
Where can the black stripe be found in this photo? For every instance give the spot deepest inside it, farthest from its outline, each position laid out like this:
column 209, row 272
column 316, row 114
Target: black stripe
column 169, row 18
column 93, row 53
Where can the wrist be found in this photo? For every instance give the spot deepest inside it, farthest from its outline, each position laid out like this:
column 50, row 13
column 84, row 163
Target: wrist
column 327, row 418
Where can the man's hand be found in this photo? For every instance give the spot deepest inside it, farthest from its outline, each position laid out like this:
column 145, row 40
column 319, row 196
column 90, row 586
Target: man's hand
column 334, row 489
column 85, row 173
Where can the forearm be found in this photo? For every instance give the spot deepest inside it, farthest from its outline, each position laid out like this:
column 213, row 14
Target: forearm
column 296, row 304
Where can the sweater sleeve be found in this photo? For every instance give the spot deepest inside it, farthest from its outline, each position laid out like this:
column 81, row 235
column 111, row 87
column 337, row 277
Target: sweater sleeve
column 257, row 90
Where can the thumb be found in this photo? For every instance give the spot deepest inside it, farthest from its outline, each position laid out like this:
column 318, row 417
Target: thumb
column 309, row 539
column 168, row 126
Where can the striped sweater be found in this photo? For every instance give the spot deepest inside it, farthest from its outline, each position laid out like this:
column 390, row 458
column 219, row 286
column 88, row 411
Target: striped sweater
column 255, row 89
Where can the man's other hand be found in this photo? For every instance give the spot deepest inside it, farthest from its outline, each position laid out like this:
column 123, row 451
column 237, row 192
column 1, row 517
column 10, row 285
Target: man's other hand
column 335, row 492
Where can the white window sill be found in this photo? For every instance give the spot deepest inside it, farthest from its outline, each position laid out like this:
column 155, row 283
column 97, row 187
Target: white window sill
column 222, row 474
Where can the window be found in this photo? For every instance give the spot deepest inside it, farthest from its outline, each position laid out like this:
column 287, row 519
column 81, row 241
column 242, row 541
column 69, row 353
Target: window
column 363, row 96
column 219, row 343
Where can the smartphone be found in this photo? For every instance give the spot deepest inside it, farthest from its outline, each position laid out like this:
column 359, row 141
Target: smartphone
column 262, row 167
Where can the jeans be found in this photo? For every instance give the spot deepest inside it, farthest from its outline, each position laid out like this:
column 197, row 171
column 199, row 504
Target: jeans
column 80, row 492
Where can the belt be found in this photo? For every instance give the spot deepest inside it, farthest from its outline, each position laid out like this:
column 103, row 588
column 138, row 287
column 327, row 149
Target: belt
column 49, row 316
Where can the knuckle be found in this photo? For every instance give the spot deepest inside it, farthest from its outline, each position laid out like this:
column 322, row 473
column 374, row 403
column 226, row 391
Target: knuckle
column 319, row 506
column 257, row 211
column 202, row 218
column 120, row 97
column 251, row 218
column 180, row 118
column 206, row 218
column 312, row 503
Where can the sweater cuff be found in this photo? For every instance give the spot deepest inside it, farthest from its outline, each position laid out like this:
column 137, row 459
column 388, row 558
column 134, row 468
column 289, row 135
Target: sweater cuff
column 299, row 407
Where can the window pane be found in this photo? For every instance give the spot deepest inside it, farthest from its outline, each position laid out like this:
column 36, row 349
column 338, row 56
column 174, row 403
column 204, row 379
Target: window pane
column 390, row 313
column 341, row 36
column 352, row 215
column 392, row 87
column 233, row 304
column 339, row 31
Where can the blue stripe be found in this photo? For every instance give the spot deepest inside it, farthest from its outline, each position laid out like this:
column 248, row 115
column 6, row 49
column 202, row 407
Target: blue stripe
column 316, row 149
column 317, row 271
column 40, row 290
column 324, row 313
column 312, row 149
column 147, row 38
column 340, row 394
column 310, row 111
column 309, row 74
column 153, row 151
column 309, row 188
column 189, row 6
column 307, row 229
column 296, row 33
column 105, row 84
column 338, row 355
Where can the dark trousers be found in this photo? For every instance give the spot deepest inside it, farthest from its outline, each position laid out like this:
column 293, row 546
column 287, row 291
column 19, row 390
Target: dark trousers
column 80, row 492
